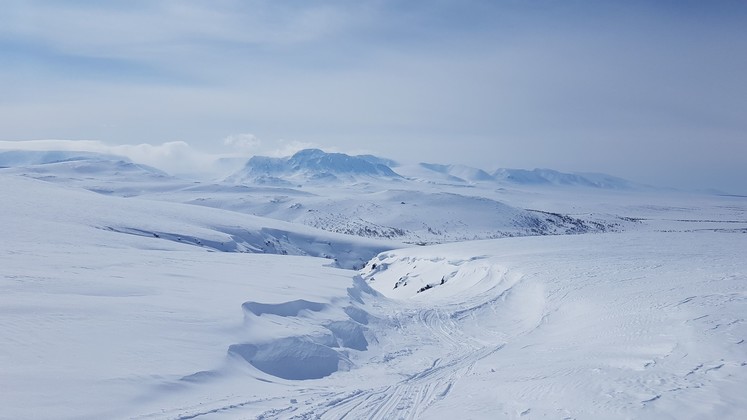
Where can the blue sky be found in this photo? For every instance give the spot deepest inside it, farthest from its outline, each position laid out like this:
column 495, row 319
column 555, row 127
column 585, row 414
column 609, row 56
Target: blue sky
column 651, row 91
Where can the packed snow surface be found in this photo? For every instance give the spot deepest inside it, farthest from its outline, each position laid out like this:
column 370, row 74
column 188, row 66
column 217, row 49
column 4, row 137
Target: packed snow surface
column 152, row 307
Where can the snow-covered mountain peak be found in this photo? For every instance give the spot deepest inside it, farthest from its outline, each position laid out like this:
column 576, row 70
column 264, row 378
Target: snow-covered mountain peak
column 315, row 160
column 313, row 165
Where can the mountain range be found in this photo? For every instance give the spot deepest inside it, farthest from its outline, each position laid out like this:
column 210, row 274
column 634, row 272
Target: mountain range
column 316, row 166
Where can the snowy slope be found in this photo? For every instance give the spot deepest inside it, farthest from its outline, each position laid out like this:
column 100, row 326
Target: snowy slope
column 54, row 208
column 413, row 215
column 646, row 325
column 119, row 331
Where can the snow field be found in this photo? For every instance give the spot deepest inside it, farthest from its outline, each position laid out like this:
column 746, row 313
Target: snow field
column 116, row 307
column 615, row 326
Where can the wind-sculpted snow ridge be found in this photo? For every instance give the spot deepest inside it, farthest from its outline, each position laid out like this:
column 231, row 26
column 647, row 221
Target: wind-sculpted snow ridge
column 336, row 328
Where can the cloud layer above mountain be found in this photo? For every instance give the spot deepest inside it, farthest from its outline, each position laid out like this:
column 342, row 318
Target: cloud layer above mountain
column 652, row 91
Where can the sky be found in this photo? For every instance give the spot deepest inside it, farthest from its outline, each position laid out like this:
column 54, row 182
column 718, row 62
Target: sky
column 653, row 91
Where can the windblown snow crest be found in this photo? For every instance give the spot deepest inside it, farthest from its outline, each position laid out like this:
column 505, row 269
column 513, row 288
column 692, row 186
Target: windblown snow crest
column 336, row 329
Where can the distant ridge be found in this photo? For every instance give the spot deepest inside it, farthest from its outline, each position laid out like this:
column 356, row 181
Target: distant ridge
column 552, row 177
column 462, row 174
column 15, row 158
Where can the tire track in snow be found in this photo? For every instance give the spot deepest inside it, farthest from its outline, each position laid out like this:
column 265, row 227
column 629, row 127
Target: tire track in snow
column 434, row 330
column 410, row 398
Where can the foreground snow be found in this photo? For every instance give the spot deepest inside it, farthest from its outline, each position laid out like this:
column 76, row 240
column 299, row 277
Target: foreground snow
column 102, row 318
column 647, row 325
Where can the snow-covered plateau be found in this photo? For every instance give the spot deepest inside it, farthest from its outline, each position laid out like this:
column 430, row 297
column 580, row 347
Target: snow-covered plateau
column 294, row 288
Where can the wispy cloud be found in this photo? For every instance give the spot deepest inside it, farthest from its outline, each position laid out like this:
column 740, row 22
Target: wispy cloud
column 99, row 26
column 176, row 157
column 247, row 144
column 162, row 31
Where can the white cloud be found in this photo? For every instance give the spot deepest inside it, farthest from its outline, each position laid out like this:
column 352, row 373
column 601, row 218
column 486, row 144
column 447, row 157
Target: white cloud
column 243, row 143
column 144, row 29
column 175, row 157
column 247, row 144
column 494, row 84
column 286, row 148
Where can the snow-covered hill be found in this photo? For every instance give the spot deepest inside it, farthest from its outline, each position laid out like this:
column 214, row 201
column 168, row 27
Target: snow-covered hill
column 54, row 208
column 409, row 215
column 107, row 174
column 16, row 158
